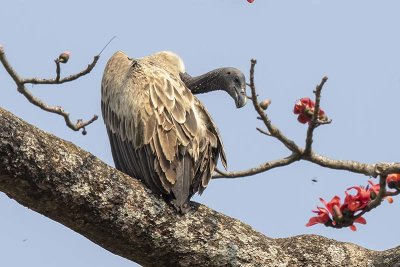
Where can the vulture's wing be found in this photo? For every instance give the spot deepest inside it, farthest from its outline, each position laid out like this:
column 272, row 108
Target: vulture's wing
column 159, row 132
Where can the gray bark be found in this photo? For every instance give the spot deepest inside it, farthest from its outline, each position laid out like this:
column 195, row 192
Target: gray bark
column 63, row 182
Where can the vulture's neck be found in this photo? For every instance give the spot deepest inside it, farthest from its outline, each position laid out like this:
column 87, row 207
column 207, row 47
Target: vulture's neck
column 205, row 83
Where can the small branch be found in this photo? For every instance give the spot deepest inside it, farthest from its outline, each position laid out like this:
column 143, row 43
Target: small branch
column 377, row 201
column 58, row 70
column 381, row 194
column 56, row 110
column 392, row 193
column 20, row 82
column 262, row 168
column 274, row 131
column 314, row 121
column 374, row 170
column 263, row 131
column 17, row 79
column 70, row 78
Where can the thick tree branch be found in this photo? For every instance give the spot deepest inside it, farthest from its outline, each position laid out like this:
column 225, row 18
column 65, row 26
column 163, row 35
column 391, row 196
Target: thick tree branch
column 71, row 186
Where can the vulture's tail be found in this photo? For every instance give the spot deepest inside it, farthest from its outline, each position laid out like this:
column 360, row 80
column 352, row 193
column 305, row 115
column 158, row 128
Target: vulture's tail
column 184, row 176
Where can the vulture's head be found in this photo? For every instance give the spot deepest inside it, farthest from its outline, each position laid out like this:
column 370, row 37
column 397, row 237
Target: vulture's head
column 233, row 82
column 230, row 80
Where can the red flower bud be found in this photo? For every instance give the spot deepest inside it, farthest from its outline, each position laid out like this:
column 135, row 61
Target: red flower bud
column 64, row 57
column 265, row 104
column 250, row 1
column 393, row 180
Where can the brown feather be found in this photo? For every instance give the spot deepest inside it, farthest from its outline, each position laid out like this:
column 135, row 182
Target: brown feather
column 148, row 131
column 167, row 125
column 191, row 122
column 182, row 137
column 169, row 90
column 212, row 138
column 165, row 164
column 149, row 109
column 155, row 100
column 160, row 91
column 168, row 143
column 178, row 112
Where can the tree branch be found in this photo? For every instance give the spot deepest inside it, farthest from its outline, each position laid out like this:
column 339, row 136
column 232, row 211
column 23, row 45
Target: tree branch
column 298, row 153
column 115, row 211
column 314, row 121
column 274, row 131
column 20, row 82
column 256, row 170
column 70, row 78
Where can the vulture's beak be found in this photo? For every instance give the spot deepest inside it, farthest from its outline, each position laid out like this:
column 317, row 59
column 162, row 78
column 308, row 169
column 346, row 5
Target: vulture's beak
column 241, row 98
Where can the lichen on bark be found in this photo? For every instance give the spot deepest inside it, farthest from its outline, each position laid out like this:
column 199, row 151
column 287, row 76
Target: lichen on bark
column 63, row 182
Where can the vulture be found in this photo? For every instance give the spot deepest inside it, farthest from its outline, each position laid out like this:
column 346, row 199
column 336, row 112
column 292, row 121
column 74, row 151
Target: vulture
column 158, row 130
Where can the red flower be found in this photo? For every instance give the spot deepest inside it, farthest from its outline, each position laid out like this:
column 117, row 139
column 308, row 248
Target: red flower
column 322, row 217
column 358, row 201
column 250, row 1
column 374, row 188
column 323, row 214
column 305, row 109
column 334, row 213
column 335, row 201
column 358, row 220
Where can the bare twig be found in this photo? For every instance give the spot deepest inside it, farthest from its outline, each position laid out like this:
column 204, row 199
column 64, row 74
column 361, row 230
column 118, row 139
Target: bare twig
column 377, row 200
column 374, row 170
column 263, row 131
column 58, row 70
column 70, row 78
column 272, row 131
column 256, row 170
column 275, row 132
column 314, row 121
column 17, row 79
column 392, row 193
column 381, row 194
column 20, row 82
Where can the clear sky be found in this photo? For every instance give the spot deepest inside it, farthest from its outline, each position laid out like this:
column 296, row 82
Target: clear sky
column 355, row 43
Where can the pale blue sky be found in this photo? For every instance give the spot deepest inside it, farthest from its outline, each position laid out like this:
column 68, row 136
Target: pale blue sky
column 356, row 43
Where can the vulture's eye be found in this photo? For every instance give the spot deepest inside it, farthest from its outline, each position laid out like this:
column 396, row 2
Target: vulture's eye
column 237, row 79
